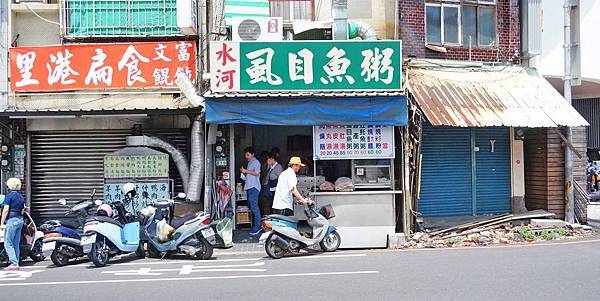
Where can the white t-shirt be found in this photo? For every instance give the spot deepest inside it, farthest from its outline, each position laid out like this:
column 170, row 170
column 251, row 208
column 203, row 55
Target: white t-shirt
column 283, row 198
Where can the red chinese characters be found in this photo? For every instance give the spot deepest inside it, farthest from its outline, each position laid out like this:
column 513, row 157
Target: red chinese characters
column 148, row 65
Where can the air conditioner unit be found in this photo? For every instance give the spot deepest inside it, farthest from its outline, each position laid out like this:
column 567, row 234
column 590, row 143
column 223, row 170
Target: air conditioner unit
column 187, row 17
column 260, row 29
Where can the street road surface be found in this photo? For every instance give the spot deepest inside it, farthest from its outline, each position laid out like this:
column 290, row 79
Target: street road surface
column 557, row 271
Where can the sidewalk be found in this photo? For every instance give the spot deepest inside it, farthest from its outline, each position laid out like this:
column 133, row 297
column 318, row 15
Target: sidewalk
column 243, row 243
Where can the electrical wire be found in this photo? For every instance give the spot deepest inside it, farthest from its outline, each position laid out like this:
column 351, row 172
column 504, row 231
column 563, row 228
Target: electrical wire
column 40, row 17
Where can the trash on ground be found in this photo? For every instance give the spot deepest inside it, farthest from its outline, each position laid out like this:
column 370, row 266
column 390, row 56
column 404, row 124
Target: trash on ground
column 531, row 226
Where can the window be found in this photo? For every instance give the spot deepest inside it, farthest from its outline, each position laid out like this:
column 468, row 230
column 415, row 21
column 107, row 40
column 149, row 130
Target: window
column 443, row 24
column 456, row 22
column 291, row 10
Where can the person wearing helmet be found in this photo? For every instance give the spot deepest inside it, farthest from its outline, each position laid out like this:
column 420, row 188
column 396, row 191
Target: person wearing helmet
column 128, row 190
column 12, row 222
column 104, row 210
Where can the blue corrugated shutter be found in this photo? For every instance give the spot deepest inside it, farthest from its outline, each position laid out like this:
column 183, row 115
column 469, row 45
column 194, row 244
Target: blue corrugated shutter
column 446, row 172
column 447, row 180
column 492, row 170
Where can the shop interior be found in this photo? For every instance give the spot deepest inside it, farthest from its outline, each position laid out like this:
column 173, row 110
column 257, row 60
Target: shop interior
column 322, row 175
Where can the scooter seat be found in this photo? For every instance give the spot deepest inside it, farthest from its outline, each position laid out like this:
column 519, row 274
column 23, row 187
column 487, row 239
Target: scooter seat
column 105, row 219
column 179, row 221
column 65, row 223
column 290, row 219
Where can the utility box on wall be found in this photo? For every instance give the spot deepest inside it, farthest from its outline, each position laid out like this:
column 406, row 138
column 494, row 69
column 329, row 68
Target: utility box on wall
column 147, row 168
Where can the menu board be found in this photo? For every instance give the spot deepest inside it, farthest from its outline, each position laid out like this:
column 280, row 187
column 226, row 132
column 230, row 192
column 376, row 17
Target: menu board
column 145, row 166
column 353, row 142
column 19, row 161
column 156, row 190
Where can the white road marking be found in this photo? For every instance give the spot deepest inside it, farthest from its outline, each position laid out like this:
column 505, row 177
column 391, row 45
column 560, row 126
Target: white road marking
column 16, row 275
column 148, row 272
column 187, row 269
column 326, row 256
column 166, row 261
column 143, row 262
column 189, row 278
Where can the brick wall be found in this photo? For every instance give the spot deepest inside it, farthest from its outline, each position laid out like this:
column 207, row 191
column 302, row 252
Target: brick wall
column 412, row 33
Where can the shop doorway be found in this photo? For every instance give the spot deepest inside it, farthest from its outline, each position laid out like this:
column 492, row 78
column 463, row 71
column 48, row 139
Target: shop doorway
column 465, row 171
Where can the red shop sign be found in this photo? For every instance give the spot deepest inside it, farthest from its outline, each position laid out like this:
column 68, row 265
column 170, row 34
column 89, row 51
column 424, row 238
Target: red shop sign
column 148, row 65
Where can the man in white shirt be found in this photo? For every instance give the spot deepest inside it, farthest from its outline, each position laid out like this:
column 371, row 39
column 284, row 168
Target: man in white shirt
column 283, row 202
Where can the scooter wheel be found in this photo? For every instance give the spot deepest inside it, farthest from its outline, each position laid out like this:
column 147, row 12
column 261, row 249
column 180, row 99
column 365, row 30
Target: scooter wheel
column 36, row 253
column 206, row 252
column 273, row 250
column 153, row 252
column 99, row 254
column 59, row 259
column 331, row 242
column 140, row 252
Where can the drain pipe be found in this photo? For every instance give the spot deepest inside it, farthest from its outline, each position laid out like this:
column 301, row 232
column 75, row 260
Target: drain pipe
column 362, row 30
column 178, row 157
column 196, row 180
column 339, row 11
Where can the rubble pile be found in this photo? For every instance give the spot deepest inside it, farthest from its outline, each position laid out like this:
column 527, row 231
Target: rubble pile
column 498, row 231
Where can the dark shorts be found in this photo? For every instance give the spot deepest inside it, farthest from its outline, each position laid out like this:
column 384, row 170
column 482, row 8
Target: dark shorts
column 284, row 212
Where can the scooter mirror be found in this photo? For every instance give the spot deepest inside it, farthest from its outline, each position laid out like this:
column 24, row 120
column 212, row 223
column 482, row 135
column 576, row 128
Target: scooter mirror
column 62, row 202
column 145, row 195
column 98, row 202
column 181, row 195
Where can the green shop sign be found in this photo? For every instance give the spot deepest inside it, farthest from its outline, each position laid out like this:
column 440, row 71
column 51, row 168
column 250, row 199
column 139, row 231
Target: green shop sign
column 306, row 65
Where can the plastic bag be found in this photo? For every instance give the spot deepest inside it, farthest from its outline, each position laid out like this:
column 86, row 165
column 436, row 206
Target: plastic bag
column 344, row 184
column 225, row 230
column 327, row 186
column 163, row 230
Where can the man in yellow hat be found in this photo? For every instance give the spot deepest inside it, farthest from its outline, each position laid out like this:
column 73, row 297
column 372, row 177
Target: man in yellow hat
column 283, row 202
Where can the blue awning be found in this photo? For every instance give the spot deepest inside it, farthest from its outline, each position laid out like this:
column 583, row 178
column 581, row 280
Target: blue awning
column 309, row 111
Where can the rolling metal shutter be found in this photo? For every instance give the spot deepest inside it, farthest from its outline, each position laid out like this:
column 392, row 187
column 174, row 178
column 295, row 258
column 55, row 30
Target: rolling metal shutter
column 446, row 172
column 69, row 164
column 589, row 108
column 493, row 171
column 456, row 180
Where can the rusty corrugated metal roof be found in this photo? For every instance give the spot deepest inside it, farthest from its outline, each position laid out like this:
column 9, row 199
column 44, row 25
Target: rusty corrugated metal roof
column 480, row 96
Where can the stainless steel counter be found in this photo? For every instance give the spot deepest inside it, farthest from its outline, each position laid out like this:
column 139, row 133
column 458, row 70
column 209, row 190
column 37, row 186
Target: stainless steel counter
column 364, row 219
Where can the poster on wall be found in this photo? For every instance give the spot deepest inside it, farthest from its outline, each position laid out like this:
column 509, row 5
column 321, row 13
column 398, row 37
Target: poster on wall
column 353, row 142
column 143, row 166
column 156, row 190
column 19, row 161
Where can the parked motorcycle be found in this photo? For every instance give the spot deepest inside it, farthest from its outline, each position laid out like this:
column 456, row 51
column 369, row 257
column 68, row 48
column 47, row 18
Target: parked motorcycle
column 105, row 237
column 189, row 235
column 283, row 235
column 31, row 241
column 62, row 241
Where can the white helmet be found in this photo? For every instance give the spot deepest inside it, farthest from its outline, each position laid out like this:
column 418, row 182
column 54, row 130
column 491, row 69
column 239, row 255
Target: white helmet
column 128, row 189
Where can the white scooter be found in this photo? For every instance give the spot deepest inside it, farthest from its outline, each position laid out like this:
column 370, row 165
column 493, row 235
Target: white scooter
column 285, row 238
column 31, row 241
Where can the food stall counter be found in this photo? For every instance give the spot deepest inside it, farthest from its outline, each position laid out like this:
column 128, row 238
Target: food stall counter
column 364, row 219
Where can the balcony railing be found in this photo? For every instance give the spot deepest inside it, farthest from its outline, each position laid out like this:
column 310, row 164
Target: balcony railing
column 114, row 18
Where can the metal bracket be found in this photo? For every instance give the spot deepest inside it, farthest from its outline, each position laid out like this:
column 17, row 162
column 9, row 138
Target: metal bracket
column 569, row 145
